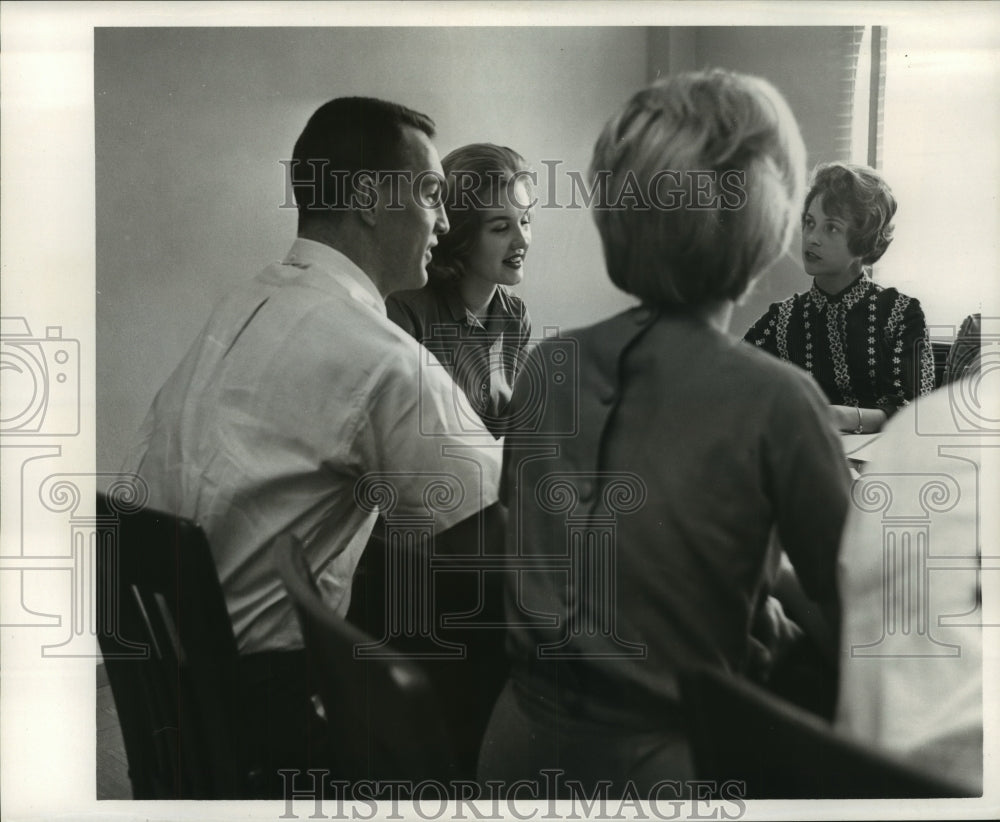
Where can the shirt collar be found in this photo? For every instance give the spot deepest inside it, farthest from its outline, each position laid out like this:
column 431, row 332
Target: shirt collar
column 500, row 306
column 456, row 307
column 311, row 254
column 848, row 296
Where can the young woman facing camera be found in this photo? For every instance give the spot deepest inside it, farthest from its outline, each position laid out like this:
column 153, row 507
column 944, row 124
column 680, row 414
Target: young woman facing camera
column 865, row 345
column 466, row 315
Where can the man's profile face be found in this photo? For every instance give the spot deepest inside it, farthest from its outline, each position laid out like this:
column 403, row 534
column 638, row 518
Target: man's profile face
column 408, row 233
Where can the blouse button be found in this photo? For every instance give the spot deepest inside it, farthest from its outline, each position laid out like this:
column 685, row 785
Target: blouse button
column 642, row 315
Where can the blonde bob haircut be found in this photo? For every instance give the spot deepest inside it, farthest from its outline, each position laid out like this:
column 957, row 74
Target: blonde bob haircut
column 698, row 182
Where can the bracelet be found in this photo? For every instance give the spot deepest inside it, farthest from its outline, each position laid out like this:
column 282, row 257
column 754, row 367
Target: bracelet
column 861, row 426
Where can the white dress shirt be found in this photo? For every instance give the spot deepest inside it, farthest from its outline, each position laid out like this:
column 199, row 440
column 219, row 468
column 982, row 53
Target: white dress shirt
column 299, row 386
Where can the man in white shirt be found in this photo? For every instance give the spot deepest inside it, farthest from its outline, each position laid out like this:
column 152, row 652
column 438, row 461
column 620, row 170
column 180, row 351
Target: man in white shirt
column 299, row 386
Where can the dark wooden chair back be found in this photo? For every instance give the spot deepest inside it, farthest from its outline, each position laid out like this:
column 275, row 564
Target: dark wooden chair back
column 965, row 352
column 740, row 732
column 170, row 655
column 381, row 710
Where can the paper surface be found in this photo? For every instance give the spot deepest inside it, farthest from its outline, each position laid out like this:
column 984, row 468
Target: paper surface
column 50, row 281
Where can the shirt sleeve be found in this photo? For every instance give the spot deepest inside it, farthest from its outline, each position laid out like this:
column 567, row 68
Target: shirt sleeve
column 809, row 484
column 762, row 332
column 911, row 374
column 426, row 451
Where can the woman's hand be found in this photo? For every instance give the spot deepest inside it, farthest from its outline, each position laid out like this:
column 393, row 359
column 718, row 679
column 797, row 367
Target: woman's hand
column 844, row 417
column 772, row 634
column 849, row 418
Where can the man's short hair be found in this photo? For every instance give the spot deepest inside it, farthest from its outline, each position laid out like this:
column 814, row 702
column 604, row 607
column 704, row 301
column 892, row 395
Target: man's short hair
column 343, row 138
column 860, row 197
column 720, row 161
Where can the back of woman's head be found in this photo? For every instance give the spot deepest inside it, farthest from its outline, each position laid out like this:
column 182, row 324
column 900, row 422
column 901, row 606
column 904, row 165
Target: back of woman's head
column 477, row 175
column 698, row 181
column 858, row 195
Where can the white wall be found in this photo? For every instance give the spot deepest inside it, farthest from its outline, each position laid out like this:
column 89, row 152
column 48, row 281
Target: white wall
column 191, row 124
column 941, row 159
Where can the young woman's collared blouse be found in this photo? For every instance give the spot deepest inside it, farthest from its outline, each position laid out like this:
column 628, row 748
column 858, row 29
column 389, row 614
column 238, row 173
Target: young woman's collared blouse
column 482, row 356
column 867, row 346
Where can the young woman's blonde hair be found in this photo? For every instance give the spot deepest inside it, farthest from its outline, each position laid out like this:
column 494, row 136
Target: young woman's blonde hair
column 698, row 183
column 476, row 175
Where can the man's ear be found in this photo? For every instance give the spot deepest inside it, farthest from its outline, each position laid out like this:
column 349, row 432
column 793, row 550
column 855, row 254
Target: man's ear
column 366, row 198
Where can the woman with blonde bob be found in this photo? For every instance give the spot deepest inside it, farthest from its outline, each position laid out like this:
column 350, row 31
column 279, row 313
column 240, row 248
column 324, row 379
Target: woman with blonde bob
column 642, row 539
column 466, row 315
